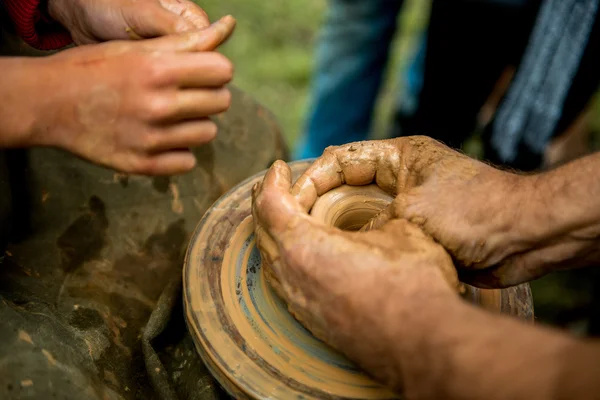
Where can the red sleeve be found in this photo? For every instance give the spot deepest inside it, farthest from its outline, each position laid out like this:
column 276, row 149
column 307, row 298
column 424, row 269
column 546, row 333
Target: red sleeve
column 36, row 27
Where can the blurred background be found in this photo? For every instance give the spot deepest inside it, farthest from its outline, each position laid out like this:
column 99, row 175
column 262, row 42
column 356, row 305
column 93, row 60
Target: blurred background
column 273, row 50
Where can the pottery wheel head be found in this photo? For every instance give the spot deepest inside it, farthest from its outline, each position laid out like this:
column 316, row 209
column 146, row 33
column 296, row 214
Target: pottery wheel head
column 243, row 330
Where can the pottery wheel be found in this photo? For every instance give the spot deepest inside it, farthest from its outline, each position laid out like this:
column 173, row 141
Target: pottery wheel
column 243, row 331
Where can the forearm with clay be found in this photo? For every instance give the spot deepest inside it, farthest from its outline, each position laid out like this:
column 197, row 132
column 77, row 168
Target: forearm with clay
column 554, row 225
column 449, row 349
column 564, row 220
column 387, row 297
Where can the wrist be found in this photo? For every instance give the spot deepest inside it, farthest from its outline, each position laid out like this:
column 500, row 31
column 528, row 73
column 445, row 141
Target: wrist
column 510, row 212
column 56, row 106
column 547, row 210
column 21, row 85
column 36, row 91
column 566, row 210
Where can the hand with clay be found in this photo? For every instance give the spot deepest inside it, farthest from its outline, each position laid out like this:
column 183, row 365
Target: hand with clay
column 324, row 273
column 136, row 106
column 501, row 228
column 91, row 21
column 386, row 297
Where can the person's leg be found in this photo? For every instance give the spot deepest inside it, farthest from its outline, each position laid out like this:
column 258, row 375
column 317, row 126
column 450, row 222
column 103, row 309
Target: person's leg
column 469, row 43
column 407, row 101
column 351, row 58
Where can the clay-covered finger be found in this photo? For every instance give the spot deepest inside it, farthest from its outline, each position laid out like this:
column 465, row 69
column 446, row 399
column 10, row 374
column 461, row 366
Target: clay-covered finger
column 359, row 163
column 279, row 176
column 273, row 206
column 202, row 40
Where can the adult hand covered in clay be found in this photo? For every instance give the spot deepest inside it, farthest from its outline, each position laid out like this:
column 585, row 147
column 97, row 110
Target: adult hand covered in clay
column 491, row 221
column 136, row 106
column 380, row 296
column 333, row 279
column 91, row 21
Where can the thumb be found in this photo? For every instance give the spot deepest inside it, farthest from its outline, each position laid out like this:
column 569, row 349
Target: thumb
column 273, row 205
column 153, row 20
column 198, row 40
column 188, row 10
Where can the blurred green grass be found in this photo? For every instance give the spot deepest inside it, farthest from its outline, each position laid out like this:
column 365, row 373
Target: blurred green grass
column 273, row 53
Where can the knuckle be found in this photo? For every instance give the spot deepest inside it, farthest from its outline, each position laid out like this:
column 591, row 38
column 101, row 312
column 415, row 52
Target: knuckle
column 153, row 71
column 150, row 141
column 262, row 203
column 414, row 141
column 158, row 75
column 332, row 151
column 182, row 25
column 269, row 198
column 150, row 68
column 158, row 107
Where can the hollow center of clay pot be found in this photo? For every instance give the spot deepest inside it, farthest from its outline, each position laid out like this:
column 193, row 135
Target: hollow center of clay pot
column 350, row 207
column 355, row 216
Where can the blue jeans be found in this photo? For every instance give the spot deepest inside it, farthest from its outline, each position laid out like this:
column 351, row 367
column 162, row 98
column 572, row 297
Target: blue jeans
column 353, row 52
column 352, row 55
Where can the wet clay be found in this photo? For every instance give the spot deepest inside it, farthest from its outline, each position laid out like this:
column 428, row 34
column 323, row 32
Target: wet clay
column 346, row 207
column 243, row 330
column 350, row 207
